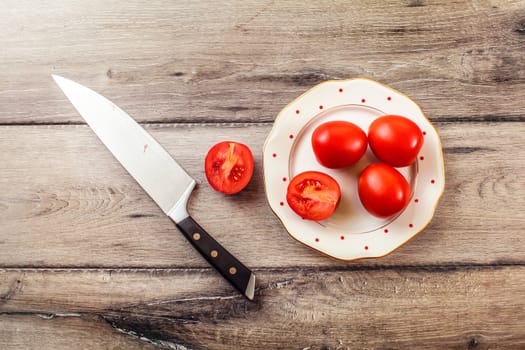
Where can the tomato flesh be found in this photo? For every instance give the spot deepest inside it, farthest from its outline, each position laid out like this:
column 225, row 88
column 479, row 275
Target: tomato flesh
column 229, row 167
column 338, row 144
column 383, row 190
column 395, row 140
column 313, row 195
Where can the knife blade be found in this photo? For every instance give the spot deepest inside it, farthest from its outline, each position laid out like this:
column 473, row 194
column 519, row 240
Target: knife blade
column 163, row 179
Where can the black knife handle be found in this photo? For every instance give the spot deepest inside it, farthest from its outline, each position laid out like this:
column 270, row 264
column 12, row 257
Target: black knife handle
column 231, row 268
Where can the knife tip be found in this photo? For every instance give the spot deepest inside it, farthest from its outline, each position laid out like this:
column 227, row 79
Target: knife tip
column 250, row 289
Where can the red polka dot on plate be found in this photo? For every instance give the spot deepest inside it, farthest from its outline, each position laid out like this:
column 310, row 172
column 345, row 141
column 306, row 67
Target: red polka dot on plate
column 274, row 155
column 342, row 237
column 366, row 247
column 297, row 111
column 340, row 90
column 432, row 181
column 385, row 230
column 410, row 225
column 363, row 100
column 389, row 98
column 317, row 239
column 284, row 179
column 321, row 107
column 291, row 136
column 424, row 133
column 421, row 158
column 281, row 204
column 416, row 200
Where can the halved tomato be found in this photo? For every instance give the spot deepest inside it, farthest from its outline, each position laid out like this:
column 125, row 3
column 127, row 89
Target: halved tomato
column 229, row 166
column 313, row 195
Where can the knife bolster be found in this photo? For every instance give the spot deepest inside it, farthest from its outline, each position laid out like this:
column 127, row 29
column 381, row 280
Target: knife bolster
column 179, row 212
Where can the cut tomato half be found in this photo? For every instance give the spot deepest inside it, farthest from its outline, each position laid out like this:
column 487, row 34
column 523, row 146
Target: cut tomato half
column 229, row 167
column 313, row 195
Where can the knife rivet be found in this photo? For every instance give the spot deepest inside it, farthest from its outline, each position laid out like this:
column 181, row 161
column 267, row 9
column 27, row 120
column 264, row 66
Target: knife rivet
column 196, row 236
column 233, row 270
column 214, row 253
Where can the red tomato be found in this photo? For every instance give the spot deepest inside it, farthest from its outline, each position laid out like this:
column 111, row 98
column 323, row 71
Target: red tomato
column 395, row 140
column 383, row 190
column 338, row 144
column 313, row 195
column 229, row 166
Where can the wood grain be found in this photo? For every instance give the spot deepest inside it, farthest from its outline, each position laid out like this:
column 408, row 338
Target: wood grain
column 40, row 331
column 88, row 261
column 354, row 308
column 189, row 61
column 65, row 201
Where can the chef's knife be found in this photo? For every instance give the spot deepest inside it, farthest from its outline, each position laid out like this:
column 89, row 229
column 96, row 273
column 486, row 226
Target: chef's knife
column 157, row 172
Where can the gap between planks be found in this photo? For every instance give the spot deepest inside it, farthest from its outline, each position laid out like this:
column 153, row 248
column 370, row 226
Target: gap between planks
column 211, row 122
column 438, row 268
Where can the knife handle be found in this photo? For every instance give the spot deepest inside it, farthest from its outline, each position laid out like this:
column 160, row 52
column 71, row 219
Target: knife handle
column 232, row 269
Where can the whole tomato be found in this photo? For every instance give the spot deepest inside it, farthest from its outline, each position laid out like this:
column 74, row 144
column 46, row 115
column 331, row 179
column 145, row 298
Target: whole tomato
column 395, row 140
column 383, row 190
column 313, row 195
column 338, row 144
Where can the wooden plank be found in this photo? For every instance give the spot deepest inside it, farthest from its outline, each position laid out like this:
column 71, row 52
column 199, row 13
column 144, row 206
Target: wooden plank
column 245, row 60
column 42, row 332
column 66, row 202
column 305, row 308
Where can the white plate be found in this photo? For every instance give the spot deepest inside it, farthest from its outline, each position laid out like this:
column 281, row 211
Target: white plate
column 351, row 232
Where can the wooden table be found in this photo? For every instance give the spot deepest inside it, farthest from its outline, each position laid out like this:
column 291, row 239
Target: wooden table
column 88, row 261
